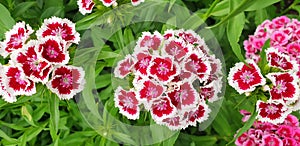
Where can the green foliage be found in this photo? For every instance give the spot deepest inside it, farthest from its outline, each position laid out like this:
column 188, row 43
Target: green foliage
column 43, row 119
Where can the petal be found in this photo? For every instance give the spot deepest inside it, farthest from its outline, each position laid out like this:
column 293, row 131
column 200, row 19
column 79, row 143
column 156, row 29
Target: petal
column 124, row 67
column 85, row 6
column 162, row 108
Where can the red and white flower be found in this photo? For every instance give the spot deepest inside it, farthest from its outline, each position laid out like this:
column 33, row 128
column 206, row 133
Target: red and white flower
column 66, row 81
column 271, row 111
column 285, row 86
column 176, row 49
column 143, row 63
column 150, row 91
column 196, row 64
column 162, row 108
column 164, row 69
column 15, row 38
column 244, row 78
column 280, row 60
column 136, row 2
column 34, row 66
column 85, row 6
column 185, row 97
column 127, row 103
column 108, row 3
column 173, row 123
column 150, row 41
column 199, row 114
column 124, row 67
column 16, row 83
column 53, row 50
column 60, row 28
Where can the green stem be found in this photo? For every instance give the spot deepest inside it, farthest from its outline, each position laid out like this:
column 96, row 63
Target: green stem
column 210, row 9
column 290, row 7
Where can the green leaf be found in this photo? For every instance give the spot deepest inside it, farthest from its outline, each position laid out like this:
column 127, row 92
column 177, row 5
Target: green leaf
column 171, row 140
column 6, row 137
column 53, row 11
column 263, row 57
column 234, row 30
column 259, row 4
column 128, row 36
column 26, row 111
column 221, row 9
column 21, row 8
column 107, row 55
column 247, row 125
column 260, row 16
column 103, row 80
column 123, row 137
column 54, row 114
column 6, row 21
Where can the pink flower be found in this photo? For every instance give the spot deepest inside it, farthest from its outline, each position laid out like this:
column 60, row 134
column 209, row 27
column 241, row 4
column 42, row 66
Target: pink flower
column 285, row 86
column 34, row 66
column 291, row 120
column 16, row 83
column 53, row 50
column 244, row 140
column 294, row 49
column 245, row 78
column 59, row 28
column 285, row 131
column 127, row 103
column 246, row 115
column 280, row 22
column 273, row 112
column 289, row 142
column 66, row 81
column 85, row 6
column 271, row 140
column 124, row 67
column 280, row 60
column 15, row 38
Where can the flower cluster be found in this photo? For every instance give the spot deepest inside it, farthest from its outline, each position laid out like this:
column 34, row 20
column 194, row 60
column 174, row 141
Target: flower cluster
column 283, row 33
column 174, row 76
column 33, row 61
column 86, row 6
column 282, row 70
column 280, row 85
column 268, row 134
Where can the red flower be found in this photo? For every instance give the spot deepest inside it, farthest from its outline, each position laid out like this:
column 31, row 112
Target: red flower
column 285, row 86
column 150, row 91
column 108, row 3
column 245, row 78
column 53, row 50
column 85, row 6
column 150, row 41
column 163, row 69
column 162, row 108
column 60, row 28
column 184, row 98
column 15, row 38
column 124, row 67
column 127, row 103
column 270, row 111
column 279, row 60
column 66, row 81
column 34, row 66
column 16, row 83
column 194, row 63
column 136, row 2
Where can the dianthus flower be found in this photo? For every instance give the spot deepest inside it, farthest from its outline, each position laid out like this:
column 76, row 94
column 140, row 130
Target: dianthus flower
column 174, row 78
column 32, row 61
column 269, row 134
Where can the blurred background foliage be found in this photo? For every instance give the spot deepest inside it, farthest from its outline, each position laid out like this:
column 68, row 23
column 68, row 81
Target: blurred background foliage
column 44, row 120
